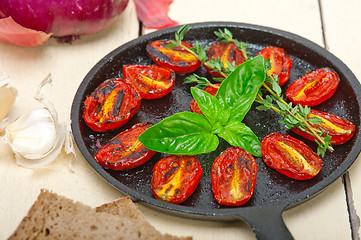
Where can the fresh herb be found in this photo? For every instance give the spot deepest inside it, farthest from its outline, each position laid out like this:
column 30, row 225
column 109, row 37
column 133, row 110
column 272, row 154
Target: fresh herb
column 197, row 50
column 191, row 133
column 200, row 51
column 201, row 82
column 293, row 116
column 227, row 36
column 218, row 66
column 179, row 35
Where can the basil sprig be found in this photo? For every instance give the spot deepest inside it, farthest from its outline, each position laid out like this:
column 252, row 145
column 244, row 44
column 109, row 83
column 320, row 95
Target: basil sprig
column 191, row 133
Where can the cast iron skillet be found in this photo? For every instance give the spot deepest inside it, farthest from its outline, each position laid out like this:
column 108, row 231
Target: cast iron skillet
column 274, row 192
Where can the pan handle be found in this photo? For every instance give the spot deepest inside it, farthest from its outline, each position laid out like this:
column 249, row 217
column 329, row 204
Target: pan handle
column 267, row 223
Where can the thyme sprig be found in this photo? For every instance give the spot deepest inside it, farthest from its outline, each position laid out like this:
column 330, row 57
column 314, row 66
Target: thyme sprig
column 199, row 50
column 227, row 36
column 201, row 82
column 218, row 66
column 293, row 116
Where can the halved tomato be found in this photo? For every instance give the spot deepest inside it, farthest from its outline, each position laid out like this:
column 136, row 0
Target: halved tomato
column 151, row 81
column 225, row 52
column 175, row 178
column 233, row 177
column 111, row 105
column 178, row 59
column 290, row 156
column 124, row 151
column 313, row 88
column 281, row 63
column 211, row 90
column 338, row 128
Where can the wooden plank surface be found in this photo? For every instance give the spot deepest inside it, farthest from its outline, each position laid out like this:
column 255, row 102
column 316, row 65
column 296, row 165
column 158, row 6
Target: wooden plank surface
column 281, row 14
column 70, row 63
column 343, row 35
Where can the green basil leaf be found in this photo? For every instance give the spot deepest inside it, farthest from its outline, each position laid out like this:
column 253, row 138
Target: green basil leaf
column 224, row 116
column 239, row 90
column 238, row 134
column 208, row 104
column 217, row 128
column 182, row 133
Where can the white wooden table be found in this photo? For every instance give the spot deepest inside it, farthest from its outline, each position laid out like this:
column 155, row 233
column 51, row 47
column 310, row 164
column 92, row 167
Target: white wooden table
column 330, row 23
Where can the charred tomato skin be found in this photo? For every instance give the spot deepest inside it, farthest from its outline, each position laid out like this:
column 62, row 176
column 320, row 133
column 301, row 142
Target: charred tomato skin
column 338, row 128
column 224, row 52
column 175, row 178
column 281, row 63
column 290, row 156
column 313, row 88
column 178, row 59
column 124, row 151
column 233, row 177
column 151, row 81
column 211, row 90
column 111, row 105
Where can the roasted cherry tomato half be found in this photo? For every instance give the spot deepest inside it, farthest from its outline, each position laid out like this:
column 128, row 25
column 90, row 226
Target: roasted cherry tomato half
column 175, row 178
column 313, row 88
column 290, row 156
column 225, row 52
column 338, row 128
column 124, row 151
column 178, row 59
column 281, row 63
column 151, row 81
column 111, row 105
column 233, row 177
column 211, row 90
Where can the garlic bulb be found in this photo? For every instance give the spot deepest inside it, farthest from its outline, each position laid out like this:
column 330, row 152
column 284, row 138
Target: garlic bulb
column 7, row 97
column 36, row 138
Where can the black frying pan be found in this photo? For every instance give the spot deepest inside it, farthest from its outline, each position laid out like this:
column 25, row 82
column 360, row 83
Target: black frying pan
column 274, row 192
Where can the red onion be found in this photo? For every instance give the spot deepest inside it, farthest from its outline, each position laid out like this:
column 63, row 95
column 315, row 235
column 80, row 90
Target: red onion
column 63, row 17
column 30, row 23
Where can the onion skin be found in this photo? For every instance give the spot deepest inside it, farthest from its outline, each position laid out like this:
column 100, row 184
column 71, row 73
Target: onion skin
column 14, row 33
column 63, row 17
column 154, row 13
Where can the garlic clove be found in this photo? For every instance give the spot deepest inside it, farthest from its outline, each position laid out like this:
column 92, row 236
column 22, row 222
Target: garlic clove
column 46, row 158
column 37, row 138
column 7, row 96
column 32, row 135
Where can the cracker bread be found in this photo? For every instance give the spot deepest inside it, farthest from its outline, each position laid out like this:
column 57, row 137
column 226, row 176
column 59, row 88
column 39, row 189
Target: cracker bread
column 56, row 217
